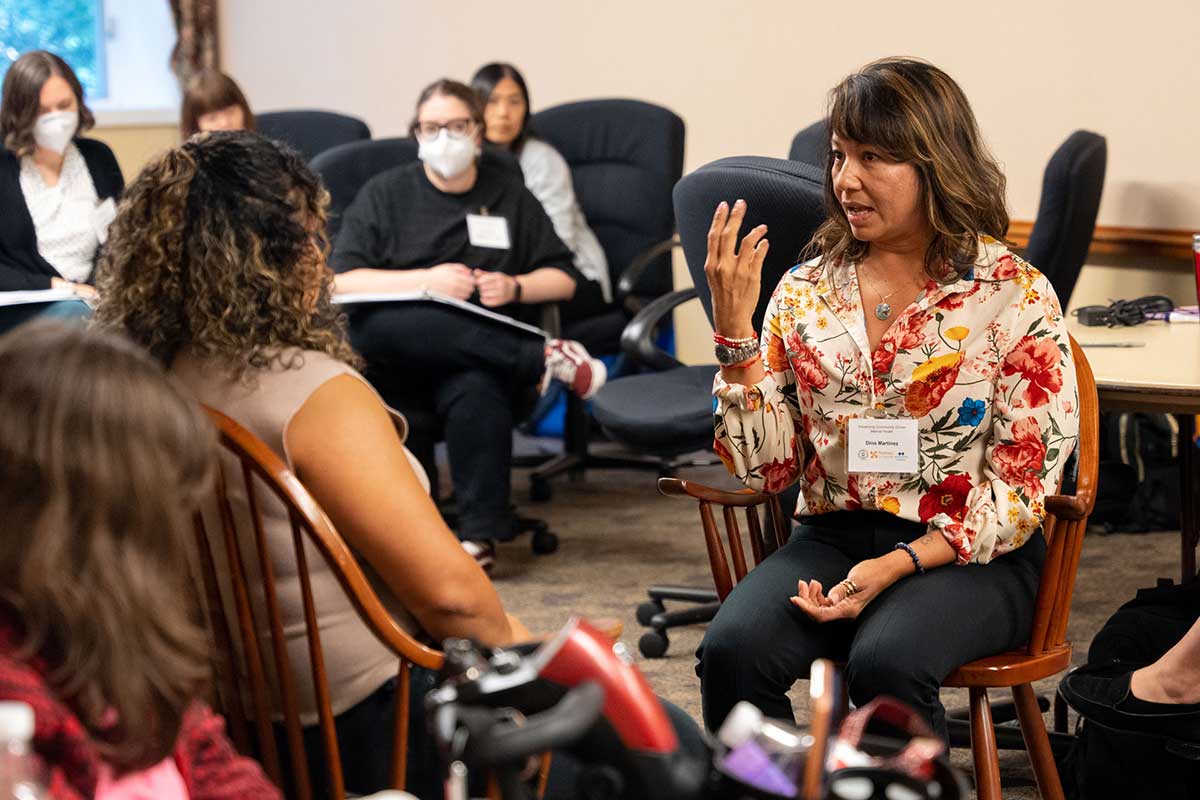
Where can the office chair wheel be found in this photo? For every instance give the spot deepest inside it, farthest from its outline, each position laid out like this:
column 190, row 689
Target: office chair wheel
column 539, row 490
column 654, row 644
column 647, row 610
column 543, row 542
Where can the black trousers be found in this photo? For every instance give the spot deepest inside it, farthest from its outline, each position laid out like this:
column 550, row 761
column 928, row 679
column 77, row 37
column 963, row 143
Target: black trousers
column 903, row 644
column 465, row 380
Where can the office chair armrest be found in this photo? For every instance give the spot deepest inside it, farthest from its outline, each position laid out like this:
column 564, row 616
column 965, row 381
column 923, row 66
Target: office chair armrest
column 637, row 340
column 633, row 273
column 677, row 487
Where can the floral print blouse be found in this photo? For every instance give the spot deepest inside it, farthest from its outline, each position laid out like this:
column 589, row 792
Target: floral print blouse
column 984, row 366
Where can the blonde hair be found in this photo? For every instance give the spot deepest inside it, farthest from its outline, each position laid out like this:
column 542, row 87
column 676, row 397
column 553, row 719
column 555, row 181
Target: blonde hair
column 220, row 247
column 916, row 113
column 102, row 463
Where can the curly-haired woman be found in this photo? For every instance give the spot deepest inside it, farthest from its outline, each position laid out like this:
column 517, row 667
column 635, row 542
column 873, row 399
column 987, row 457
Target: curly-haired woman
column 916, row 377
column 102, row 460
column 216, row 264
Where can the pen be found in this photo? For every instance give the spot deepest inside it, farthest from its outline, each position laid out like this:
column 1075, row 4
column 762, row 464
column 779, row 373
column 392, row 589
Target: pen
column 1112, row 344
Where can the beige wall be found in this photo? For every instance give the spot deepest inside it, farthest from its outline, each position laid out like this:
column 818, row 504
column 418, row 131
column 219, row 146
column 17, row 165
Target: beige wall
column 133, row 145
column 745, row 76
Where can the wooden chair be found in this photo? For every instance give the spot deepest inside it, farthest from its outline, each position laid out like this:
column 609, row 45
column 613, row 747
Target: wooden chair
column 241, row 672
column 765, row 535
column 1047, row 653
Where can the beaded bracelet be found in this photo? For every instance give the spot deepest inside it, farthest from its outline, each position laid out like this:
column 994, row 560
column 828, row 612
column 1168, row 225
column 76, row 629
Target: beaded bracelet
column 911, row 554
column 733, row 344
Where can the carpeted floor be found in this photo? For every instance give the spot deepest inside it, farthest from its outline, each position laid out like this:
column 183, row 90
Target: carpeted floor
column 618, row 535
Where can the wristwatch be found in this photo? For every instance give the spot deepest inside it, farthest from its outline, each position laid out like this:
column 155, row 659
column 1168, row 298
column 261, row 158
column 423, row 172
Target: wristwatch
column 728, row 356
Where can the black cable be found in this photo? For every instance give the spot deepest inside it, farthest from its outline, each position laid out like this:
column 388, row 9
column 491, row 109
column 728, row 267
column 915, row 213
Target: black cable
column 1126, row 312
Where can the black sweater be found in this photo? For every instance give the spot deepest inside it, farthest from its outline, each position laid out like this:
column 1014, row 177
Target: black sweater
column 400, row 220
column 21, row 266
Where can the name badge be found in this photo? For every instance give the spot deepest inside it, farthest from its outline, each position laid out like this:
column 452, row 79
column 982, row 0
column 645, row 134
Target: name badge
column 488, row 231
column 883, row 445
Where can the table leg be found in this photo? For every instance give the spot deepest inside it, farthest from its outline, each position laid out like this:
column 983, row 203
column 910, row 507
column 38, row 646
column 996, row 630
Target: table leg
column 1189, row 503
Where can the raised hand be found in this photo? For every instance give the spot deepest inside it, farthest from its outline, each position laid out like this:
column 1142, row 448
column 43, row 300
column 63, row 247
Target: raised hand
column 452, row 280
column 734, row 273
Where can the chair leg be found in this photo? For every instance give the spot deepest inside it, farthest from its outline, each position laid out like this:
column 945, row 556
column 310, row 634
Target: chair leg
column 1060, row 713
column 983, row 747
column 1033, row 728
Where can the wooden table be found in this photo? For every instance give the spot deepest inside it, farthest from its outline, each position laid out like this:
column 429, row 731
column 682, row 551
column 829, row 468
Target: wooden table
column 1161, row 375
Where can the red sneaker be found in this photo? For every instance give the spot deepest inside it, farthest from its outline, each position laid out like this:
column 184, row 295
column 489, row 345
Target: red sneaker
column 484, row 553
column 569, row 362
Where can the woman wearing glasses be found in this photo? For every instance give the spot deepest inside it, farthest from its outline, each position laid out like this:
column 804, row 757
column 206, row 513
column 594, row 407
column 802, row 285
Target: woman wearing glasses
column 467, row 228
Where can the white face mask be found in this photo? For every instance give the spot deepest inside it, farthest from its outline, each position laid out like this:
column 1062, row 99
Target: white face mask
column 446, row 155
column 55, row 130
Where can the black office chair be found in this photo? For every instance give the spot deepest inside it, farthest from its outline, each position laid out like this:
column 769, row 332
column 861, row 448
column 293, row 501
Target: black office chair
column 811, row 145
column 345, row 169
column 311, row 132
column 671, row 411
column 625, row 157
column 1066, row 218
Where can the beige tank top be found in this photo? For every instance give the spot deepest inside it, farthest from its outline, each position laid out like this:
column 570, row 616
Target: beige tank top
column 264, row 403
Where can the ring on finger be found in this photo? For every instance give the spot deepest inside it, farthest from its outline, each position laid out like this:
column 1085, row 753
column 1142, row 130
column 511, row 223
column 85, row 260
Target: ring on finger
column 851, row 587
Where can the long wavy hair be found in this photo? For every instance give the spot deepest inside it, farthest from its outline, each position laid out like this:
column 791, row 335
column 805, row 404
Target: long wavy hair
column 220, row 247
column 916, row 113
column 20, row 98
column 102, row 461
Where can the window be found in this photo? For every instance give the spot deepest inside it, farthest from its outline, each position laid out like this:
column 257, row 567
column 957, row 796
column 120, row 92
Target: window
column 72, row 29
column 120, row 49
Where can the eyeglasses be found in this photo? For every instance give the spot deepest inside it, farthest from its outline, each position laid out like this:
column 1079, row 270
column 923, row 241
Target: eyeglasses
column 459, row 128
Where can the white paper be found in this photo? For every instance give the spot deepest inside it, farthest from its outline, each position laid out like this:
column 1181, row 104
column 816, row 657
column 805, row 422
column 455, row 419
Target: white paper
column 360, row 298
column 489, row 232
column 883, row 445
column 25, row 297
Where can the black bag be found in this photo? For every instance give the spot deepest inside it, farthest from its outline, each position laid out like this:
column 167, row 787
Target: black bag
column 1104, row 762
column 1107, row 763
column 1139, row 473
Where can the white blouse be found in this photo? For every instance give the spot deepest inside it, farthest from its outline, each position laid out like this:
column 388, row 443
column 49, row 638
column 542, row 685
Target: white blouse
column 549, row 178
column 70, row 221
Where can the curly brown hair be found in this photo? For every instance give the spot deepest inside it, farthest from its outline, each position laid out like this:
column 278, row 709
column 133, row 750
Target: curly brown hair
column 220, row 247
column 916, row 113
column 103, row 459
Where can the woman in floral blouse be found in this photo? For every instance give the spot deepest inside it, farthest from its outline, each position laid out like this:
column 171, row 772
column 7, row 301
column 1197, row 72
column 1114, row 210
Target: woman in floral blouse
column 916, row 378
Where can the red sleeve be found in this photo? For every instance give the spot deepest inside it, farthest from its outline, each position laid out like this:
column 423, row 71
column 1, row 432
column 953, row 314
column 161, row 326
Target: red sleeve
column 210, row 766
column 59, row 739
